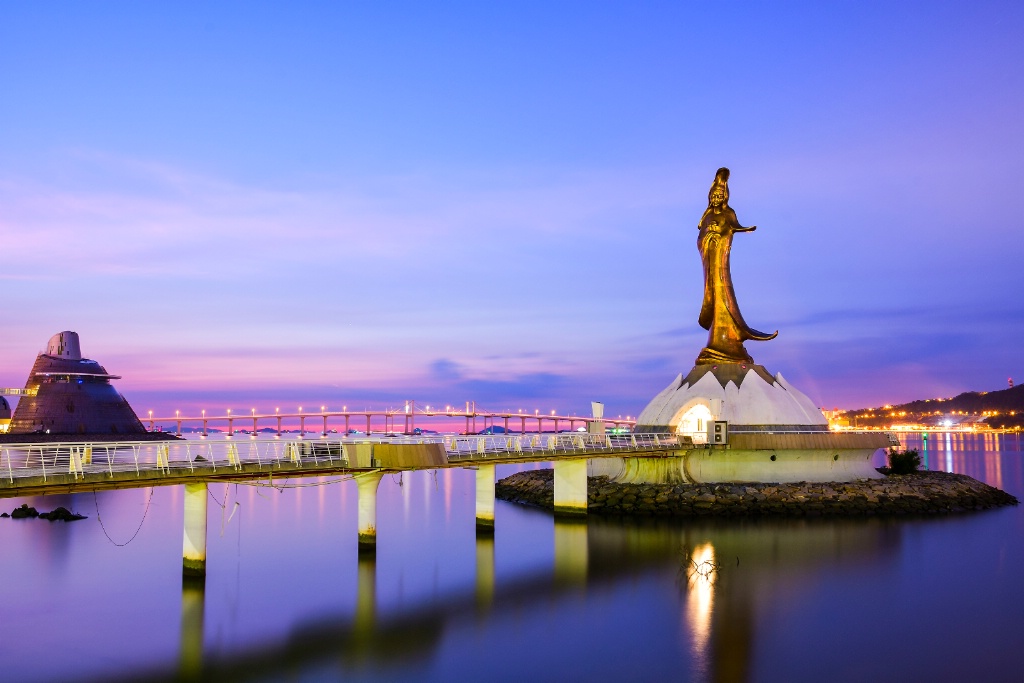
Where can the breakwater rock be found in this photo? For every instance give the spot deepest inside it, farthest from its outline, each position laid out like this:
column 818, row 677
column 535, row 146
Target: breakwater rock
column 918, row 493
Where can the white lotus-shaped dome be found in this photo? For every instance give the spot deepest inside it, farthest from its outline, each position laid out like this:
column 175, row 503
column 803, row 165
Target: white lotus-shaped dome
column 739, row 394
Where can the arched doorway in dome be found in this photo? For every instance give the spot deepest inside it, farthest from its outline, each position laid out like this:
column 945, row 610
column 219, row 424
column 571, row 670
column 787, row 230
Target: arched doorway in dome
column 694, row 423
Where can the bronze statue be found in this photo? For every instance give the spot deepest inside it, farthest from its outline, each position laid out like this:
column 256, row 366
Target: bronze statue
column 720, row 314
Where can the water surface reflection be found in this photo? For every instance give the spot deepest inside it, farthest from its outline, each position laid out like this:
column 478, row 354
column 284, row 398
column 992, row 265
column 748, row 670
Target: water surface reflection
column 288, row 597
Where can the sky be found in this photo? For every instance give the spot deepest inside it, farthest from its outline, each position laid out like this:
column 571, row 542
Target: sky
column 253, row 205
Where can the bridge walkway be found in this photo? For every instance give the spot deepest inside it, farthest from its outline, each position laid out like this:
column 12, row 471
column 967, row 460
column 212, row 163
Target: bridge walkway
column 52, row 468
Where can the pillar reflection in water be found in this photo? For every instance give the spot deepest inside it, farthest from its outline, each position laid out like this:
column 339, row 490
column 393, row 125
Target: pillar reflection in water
column 366, row 597
column 484, row 571
column 571, row 551
column 193, row 611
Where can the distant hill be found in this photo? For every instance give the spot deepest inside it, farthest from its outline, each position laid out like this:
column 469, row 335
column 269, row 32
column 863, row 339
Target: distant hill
column 1002, row 409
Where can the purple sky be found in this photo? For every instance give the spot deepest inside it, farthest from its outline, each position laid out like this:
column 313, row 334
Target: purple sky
column 260, row 205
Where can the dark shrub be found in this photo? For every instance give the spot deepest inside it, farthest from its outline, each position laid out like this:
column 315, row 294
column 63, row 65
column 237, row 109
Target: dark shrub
column 904, row 462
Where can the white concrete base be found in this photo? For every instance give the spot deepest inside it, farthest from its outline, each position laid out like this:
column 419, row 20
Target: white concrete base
column 570, row 487
column 709, row 465
column 788, row 466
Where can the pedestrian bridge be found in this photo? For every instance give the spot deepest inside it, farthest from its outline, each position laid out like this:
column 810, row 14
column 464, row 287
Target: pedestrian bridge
column 32, row 469
column 68, row 467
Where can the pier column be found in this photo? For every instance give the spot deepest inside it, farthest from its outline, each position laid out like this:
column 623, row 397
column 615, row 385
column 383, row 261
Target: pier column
column 194, row 543
column 570, row 487
column 571, row 552
column 485, row 499
column 367, row 484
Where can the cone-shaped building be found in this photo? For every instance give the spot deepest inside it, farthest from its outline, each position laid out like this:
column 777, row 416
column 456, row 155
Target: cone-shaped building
column 74, row 395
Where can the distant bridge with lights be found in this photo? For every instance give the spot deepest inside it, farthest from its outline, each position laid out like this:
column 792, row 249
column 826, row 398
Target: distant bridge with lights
column 389, row 421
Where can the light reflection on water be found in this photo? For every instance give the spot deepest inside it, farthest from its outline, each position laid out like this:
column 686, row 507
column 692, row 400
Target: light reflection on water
column 287, row 596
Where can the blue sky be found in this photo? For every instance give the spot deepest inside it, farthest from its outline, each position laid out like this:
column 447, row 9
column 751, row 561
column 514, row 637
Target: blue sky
column 255, row 204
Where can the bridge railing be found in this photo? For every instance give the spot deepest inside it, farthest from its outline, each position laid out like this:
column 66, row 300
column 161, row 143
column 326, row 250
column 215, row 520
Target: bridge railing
column 46, row 460
column 511, row 445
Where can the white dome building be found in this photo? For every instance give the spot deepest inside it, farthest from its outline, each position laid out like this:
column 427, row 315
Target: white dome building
column 737, row 423
column 745, row 396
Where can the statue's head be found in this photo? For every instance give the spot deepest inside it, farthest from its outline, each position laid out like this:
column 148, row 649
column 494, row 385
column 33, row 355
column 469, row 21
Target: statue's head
column 718, row 195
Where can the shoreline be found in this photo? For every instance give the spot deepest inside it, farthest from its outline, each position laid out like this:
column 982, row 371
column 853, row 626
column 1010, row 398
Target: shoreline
column 926, row 493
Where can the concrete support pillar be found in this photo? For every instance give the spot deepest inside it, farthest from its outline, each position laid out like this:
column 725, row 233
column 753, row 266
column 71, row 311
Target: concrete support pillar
column 571, row 552
column 367, row 485
column 193, row 610
column 485, row 499
column 194, row 543
column 484, row 571
column 570, row 487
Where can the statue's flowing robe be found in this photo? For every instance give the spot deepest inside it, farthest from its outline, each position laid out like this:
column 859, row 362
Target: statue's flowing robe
column 719, row 312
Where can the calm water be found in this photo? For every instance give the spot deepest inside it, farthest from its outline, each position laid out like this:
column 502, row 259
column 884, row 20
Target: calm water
column 287, row 598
